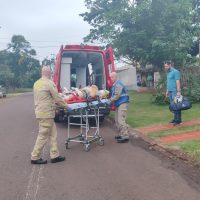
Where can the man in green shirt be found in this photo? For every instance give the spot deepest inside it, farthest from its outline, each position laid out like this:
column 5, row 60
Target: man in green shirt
column 173, row 88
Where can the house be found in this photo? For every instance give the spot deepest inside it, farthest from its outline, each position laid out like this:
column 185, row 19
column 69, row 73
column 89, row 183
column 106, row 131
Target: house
column 127, row 74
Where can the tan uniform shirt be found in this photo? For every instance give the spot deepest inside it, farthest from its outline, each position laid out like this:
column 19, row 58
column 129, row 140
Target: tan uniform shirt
column 45, row 97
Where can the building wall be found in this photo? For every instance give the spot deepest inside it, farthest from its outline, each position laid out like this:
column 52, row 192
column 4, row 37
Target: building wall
column 128, row 76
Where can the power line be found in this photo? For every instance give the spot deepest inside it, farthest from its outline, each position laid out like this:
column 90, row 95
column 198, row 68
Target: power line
column 45, row 46
column 54, row 41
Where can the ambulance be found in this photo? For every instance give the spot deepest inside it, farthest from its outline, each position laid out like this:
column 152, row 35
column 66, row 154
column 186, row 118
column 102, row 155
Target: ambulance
column 78, row 66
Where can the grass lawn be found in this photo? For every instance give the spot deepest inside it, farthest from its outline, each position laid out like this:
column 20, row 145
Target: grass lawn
column 142, row 112
column 192, row 147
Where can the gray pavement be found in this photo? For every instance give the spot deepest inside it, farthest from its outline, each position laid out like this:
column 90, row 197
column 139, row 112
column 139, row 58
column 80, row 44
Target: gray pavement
column 110, row 172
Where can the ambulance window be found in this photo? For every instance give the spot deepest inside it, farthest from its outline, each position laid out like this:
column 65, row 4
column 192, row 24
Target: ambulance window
column 73, row 78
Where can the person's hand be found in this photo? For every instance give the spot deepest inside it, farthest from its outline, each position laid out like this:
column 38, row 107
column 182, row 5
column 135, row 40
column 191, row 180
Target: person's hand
column 178, row 93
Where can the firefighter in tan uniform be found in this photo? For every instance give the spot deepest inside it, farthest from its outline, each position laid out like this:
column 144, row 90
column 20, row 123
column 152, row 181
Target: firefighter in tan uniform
column 45, row 97
column 120, row 99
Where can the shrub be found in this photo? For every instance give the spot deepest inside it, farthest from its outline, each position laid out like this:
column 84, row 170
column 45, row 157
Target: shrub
column 159, row 97
column 192, row 88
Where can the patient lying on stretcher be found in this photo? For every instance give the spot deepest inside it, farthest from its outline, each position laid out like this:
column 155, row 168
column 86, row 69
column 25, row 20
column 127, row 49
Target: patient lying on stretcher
column 76, row 95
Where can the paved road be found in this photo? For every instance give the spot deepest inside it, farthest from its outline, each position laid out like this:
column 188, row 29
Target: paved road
column 110, row 172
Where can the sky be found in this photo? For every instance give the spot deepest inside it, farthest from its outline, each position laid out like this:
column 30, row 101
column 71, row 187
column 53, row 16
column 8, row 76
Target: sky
column 46, row 24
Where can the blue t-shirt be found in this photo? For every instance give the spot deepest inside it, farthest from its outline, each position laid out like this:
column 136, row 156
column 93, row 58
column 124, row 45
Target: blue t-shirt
column 172, row 76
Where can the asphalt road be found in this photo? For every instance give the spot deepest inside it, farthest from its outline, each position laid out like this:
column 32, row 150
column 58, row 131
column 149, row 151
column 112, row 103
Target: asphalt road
column 110, row 172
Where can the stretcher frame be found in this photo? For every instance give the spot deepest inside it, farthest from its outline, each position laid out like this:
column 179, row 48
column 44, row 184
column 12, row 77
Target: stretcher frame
column 84, row 137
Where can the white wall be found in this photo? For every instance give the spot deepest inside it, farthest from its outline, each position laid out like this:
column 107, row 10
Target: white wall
column 128, row 77
column 65, row 80
column 81, row 76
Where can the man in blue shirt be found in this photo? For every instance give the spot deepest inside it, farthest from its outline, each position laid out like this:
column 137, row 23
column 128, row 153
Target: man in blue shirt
column 120, row 99
column 173, row 88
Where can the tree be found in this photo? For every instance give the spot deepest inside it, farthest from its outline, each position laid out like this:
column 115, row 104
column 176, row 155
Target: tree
column 20, row 45
column 18, row 63
column 6, row 76
column 150, row 31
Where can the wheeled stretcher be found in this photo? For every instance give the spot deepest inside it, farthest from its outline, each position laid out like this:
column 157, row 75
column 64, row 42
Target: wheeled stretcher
column 80, row 115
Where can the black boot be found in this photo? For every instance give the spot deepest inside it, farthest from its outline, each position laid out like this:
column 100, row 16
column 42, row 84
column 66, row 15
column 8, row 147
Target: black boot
column 57, row 159
column 172, row 121
column 177, row 123
column 123, row 139
column 39, row 161
column 117, row 137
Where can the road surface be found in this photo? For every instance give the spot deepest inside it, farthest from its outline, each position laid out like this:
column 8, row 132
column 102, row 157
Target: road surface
column 110, row 172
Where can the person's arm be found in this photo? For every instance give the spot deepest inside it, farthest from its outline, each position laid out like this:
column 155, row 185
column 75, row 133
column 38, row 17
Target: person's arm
column 56, row 96
column 166, row 94
column 117, row 94
column 178, row 83
column 178, row 87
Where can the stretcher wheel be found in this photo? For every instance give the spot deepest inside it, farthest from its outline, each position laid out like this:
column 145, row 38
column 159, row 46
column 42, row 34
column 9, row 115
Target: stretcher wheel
column 101, row 141
column 67, row 145
column 87, row 147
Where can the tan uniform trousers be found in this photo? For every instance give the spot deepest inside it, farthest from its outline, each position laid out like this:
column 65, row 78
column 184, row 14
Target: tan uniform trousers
column 120, row 119
column 47, row 130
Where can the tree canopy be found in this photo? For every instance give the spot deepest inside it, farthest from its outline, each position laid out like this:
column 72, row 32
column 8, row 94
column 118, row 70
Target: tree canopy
column 18, row 67
column 148, row 31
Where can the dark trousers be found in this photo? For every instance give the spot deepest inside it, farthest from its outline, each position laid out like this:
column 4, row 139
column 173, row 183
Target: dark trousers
column 177, row 114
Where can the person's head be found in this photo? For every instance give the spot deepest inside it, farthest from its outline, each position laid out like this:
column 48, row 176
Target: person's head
column 168, row 65
column 114, row 77
column 46, row 72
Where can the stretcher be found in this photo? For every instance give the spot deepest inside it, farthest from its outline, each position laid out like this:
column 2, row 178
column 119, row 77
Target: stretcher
column 83, row 112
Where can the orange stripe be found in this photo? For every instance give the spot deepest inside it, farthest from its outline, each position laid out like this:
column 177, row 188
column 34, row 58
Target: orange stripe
column 181, row 137
column 157, row 128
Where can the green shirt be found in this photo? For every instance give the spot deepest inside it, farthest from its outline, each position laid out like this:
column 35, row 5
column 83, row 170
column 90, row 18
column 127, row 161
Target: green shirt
column 172, row 76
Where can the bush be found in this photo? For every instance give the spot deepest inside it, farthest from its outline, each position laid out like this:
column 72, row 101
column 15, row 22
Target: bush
column 159, row 97
column 192, row 88
column 144, row 84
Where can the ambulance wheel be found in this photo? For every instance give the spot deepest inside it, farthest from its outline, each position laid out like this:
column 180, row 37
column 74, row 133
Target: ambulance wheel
column 87, row 147
column 101, row 141
column 67, row 145
column 101, row 119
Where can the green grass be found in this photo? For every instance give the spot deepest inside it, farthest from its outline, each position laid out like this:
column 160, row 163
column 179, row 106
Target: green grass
column 142, row 112
column 19, row 90
column 178, row 130
column 192, row 147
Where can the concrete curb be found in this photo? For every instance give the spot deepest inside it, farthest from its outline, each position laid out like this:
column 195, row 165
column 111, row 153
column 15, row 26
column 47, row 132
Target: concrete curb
column 157, row 145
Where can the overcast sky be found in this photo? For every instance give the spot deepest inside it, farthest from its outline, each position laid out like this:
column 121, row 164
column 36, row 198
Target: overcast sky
column 46, row 24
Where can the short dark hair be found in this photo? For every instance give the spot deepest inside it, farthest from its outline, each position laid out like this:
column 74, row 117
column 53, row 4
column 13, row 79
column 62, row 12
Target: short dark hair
column 168, row 62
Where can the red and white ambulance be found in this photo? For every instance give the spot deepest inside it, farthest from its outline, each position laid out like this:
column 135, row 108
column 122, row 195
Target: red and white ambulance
column 81, row 65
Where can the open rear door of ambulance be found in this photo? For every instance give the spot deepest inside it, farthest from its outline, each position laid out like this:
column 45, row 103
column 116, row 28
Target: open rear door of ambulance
column 56, row 75
column 110, row 67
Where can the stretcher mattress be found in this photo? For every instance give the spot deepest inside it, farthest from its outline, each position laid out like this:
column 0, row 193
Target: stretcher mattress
column 81, row 105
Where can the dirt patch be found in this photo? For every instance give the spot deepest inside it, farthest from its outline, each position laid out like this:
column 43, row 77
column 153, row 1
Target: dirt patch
column 181, row 137
column 157, row 128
